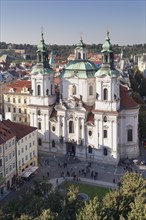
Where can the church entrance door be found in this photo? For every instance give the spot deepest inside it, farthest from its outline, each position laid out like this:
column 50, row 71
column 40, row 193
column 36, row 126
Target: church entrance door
column 71, row 149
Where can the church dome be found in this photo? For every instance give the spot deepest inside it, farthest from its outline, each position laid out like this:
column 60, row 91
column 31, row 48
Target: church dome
column 42, row 47
column 80, row 45
column 106, row 71
column 79, row 68
column 107, row 46
column 39, row 68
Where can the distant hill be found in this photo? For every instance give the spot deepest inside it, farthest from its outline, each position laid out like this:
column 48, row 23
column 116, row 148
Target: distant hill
column 64, row 50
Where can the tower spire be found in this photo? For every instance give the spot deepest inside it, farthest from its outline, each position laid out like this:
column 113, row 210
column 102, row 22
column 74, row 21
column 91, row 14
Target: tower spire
column 42, row 33
column 81, row 36
column 107, row 36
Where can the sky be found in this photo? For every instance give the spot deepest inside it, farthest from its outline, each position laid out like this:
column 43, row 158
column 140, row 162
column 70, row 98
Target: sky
column 64, row 21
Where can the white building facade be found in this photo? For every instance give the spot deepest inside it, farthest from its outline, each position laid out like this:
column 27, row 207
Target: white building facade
column 95, row 119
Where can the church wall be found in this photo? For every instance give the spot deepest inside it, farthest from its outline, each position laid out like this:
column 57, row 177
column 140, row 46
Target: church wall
column 128, row 119
column 82, row 89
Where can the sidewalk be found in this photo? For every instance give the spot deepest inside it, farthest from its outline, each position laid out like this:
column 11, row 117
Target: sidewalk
column 58, row 181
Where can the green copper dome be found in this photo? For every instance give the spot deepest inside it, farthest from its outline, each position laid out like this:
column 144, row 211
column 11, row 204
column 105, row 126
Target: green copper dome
column 52, row 61
column 39, row 68
column 107, row 46
column 79, row 68
column 42, row 46
column 80, row 45
column 107, row 71
column 107, row 67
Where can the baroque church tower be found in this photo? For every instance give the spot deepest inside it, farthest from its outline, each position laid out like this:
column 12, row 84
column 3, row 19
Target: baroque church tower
column 43, row 94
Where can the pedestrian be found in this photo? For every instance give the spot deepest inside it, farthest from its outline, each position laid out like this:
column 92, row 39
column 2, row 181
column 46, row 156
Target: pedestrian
column 57, row 181
column 92, row 174
column 114, row 180
column 48, row 174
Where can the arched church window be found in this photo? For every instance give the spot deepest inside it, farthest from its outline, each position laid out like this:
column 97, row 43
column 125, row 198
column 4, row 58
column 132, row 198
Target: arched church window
column 39, row 125
column 104, row 133
column 39, row 57
column 47, row 91
column 79, row 55
column 53, row 143
column 74, row 91
column 129, row 135
column 51, row 89
column 106, row 58
column 105, row 94
column 53, row 128
column 39, row 112
column 105, row 152
column 90, row 149
column 90, row 90
column 83, row 56
column 39, row 89
column 71, row 127
column 105, row 119
column 39, row 141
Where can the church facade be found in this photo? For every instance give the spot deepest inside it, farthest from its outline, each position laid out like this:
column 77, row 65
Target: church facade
column 95, row 117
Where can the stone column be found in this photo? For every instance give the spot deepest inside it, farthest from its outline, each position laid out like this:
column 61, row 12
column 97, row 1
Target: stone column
column 63, row 127
column 58, row 120
column 83, row 132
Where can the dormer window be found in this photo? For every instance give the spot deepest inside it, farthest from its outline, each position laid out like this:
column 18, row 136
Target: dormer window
column 24, row 89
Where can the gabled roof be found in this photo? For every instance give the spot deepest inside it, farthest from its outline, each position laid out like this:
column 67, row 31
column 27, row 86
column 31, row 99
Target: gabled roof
column 5, row 133
column 126, row 101
column 18, row 86
column 19, row 129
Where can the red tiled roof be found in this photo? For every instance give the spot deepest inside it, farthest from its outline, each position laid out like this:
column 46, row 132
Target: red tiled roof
column 53, row 114
column 18, row 85
column 19, row 129
column 90, row 118
column 5, row 133
column 126, row 101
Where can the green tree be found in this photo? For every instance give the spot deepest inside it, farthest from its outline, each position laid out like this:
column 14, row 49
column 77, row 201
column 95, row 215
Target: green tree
column 71, row 204
column 25, row 217
column 90, row 211
column 46, row 215
column 117, row 204
column 138, row 207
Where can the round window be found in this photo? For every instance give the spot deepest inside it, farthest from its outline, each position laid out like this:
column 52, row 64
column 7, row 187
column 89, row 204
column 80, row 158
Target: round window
column 90, row 133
